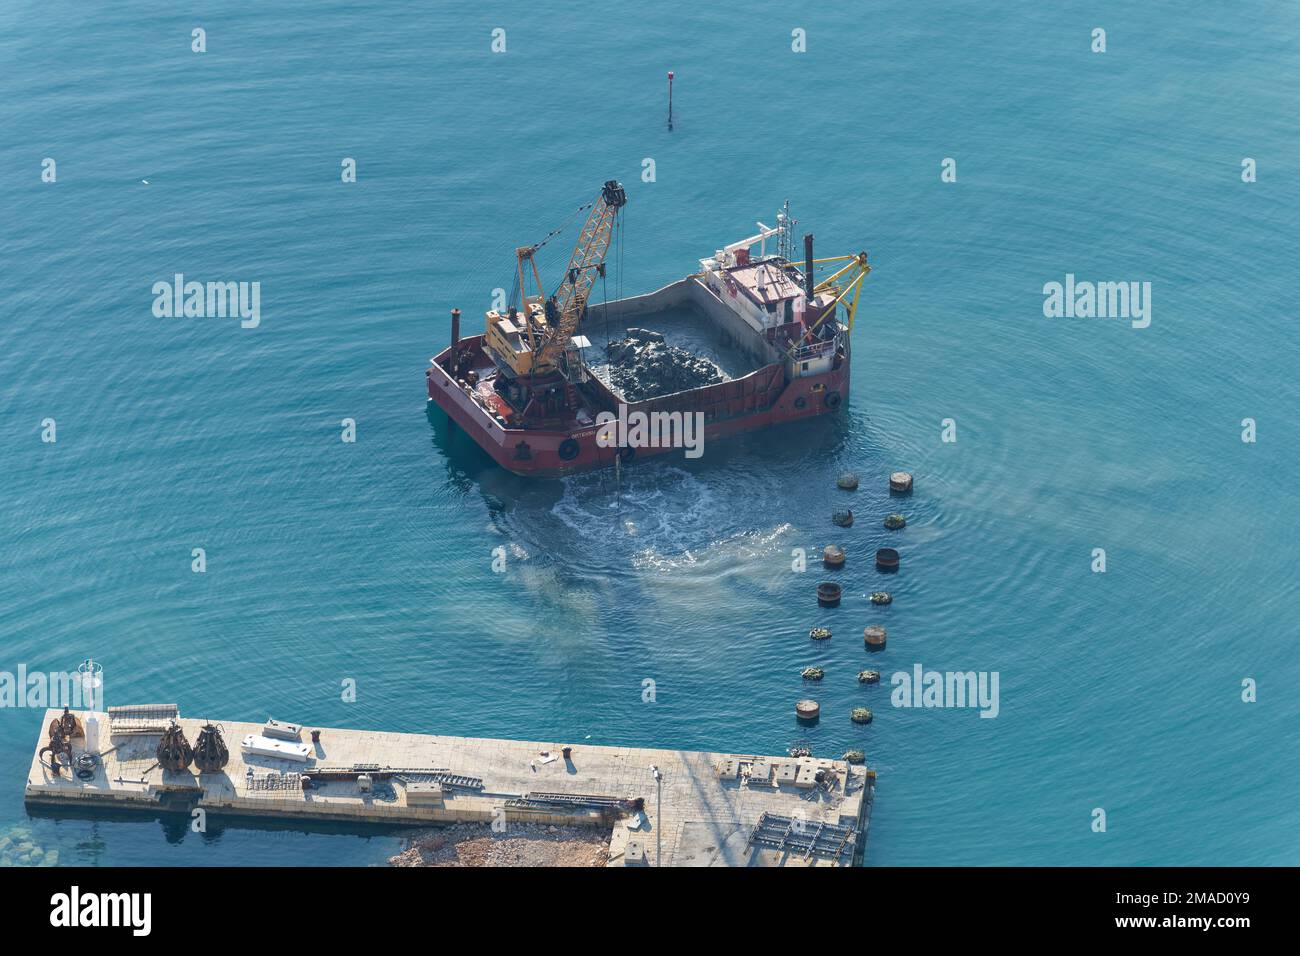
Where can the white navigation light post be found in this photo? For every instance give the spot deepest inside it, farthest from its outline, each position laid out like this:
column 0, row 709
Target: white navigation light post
column 90, row 674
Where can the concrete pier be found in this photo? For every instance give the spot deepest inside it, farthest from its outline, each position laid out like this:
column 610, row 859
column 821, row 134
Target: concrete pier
column 706, row 809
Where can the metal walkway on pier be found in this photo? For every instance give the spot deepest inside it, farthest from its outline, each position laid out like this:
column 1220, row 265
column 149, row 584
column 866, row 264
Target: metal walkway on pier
column 827, row 840
column 542, row 802
column 430, row 774
column 444, row 777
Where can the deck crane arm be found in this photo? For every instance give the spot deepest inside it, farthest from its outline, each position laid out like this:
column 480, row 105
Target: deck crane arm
column 857, row 268
column 588, row 260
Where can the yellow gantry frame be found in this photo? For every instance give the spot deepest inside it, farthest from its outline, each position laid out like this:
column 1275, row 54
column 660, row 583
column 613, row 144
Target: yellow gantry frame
column 858, row 262
column 525, row 254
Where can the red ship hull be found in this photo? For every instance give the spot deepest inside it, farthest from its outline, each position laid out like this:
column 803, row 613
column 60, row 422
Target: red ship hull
column 759, row 400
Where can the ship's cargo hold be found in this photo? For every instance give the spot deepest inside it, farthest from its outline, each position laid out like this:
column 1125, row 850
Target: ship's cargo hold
column 900, row 483
column 641, row 367
column 807, row 710
column 874, row 635
column 828, row 594
column 887, row 559
column 833, row 556
column 255, row 745
column 895, row 521
column 848, row 481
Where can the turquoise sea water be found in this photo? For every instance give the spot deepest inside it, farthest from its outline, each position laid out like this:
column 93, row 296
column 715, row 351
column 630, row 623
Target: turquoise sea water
column 372, row 561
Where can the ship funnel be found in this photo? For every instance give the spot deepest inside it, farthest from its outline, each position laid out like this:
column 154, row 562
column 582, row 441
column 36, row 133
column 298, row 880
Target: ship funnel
column 808, row 267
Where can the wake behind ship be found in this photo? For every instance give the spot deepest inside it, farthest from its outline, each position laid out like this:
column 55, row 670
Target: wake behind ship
column 769, row 342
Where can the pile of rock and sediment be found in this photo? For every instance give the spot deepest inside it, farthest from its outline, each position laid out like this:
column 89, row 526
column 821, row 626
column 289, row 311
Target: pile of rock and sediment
column 522, row 844
column 643, row 365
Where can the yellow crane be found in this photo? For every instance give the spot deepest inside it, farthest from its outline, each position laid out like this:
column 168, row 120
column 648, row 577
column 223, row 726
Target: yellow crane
column 530, row 342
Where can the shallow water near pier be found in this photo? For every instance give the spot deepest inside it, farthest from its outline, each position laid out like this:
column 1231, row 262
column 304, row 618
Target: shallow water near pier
column 372, row 562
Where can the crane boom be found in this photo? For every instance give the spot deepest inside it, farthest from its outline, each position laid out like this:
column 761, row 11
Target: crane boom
column 587, row 261
column 529, row 343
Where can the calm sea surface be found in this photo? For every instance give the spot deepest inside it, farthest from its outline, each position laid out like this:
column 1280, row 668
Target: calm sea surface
column 371, row 561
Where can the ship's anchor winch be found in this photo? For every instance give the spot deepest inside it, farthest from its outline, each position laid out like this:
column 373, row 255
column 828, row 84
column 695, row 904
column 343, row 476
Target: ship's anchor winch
column 174, row 751
column 210, row 752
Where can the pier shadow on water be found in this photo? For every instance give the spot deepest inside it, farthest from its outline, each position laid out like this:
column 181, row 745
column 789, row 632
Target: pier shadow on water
column 241, row 833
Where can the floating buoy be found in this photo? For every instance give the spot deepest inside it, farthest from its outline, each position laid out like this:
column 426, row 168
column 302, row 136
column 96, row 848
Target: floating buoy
column 843, row 518
column 900, row 482
column 887, row 559
column 860, row 715
column 828, row 594
column 813, row 673
column 881, row 597
column 874, row 636
column 868, row 677
column 894, row 522
column 807, row 710
column 855, row 756
column 820, row 633
column 848, row 481
column 833, row 556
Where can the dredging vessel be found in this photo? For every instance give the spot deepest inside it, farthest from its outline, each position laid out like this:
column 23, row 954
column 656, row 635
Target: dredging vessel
column 769, row 342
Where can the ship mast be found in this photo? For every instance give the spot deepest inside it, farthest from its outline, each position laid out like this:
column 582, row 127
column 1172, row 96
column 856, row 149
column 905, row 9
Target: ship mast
column 785, row 228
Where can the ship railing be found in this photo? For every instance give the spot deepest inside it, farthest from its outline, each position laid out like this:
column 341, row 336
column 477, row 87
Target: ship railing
column 813, row 350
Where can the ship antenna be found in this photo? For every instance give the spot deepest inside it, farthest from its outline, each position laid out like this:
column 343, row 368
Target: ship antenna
column 785, row 225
